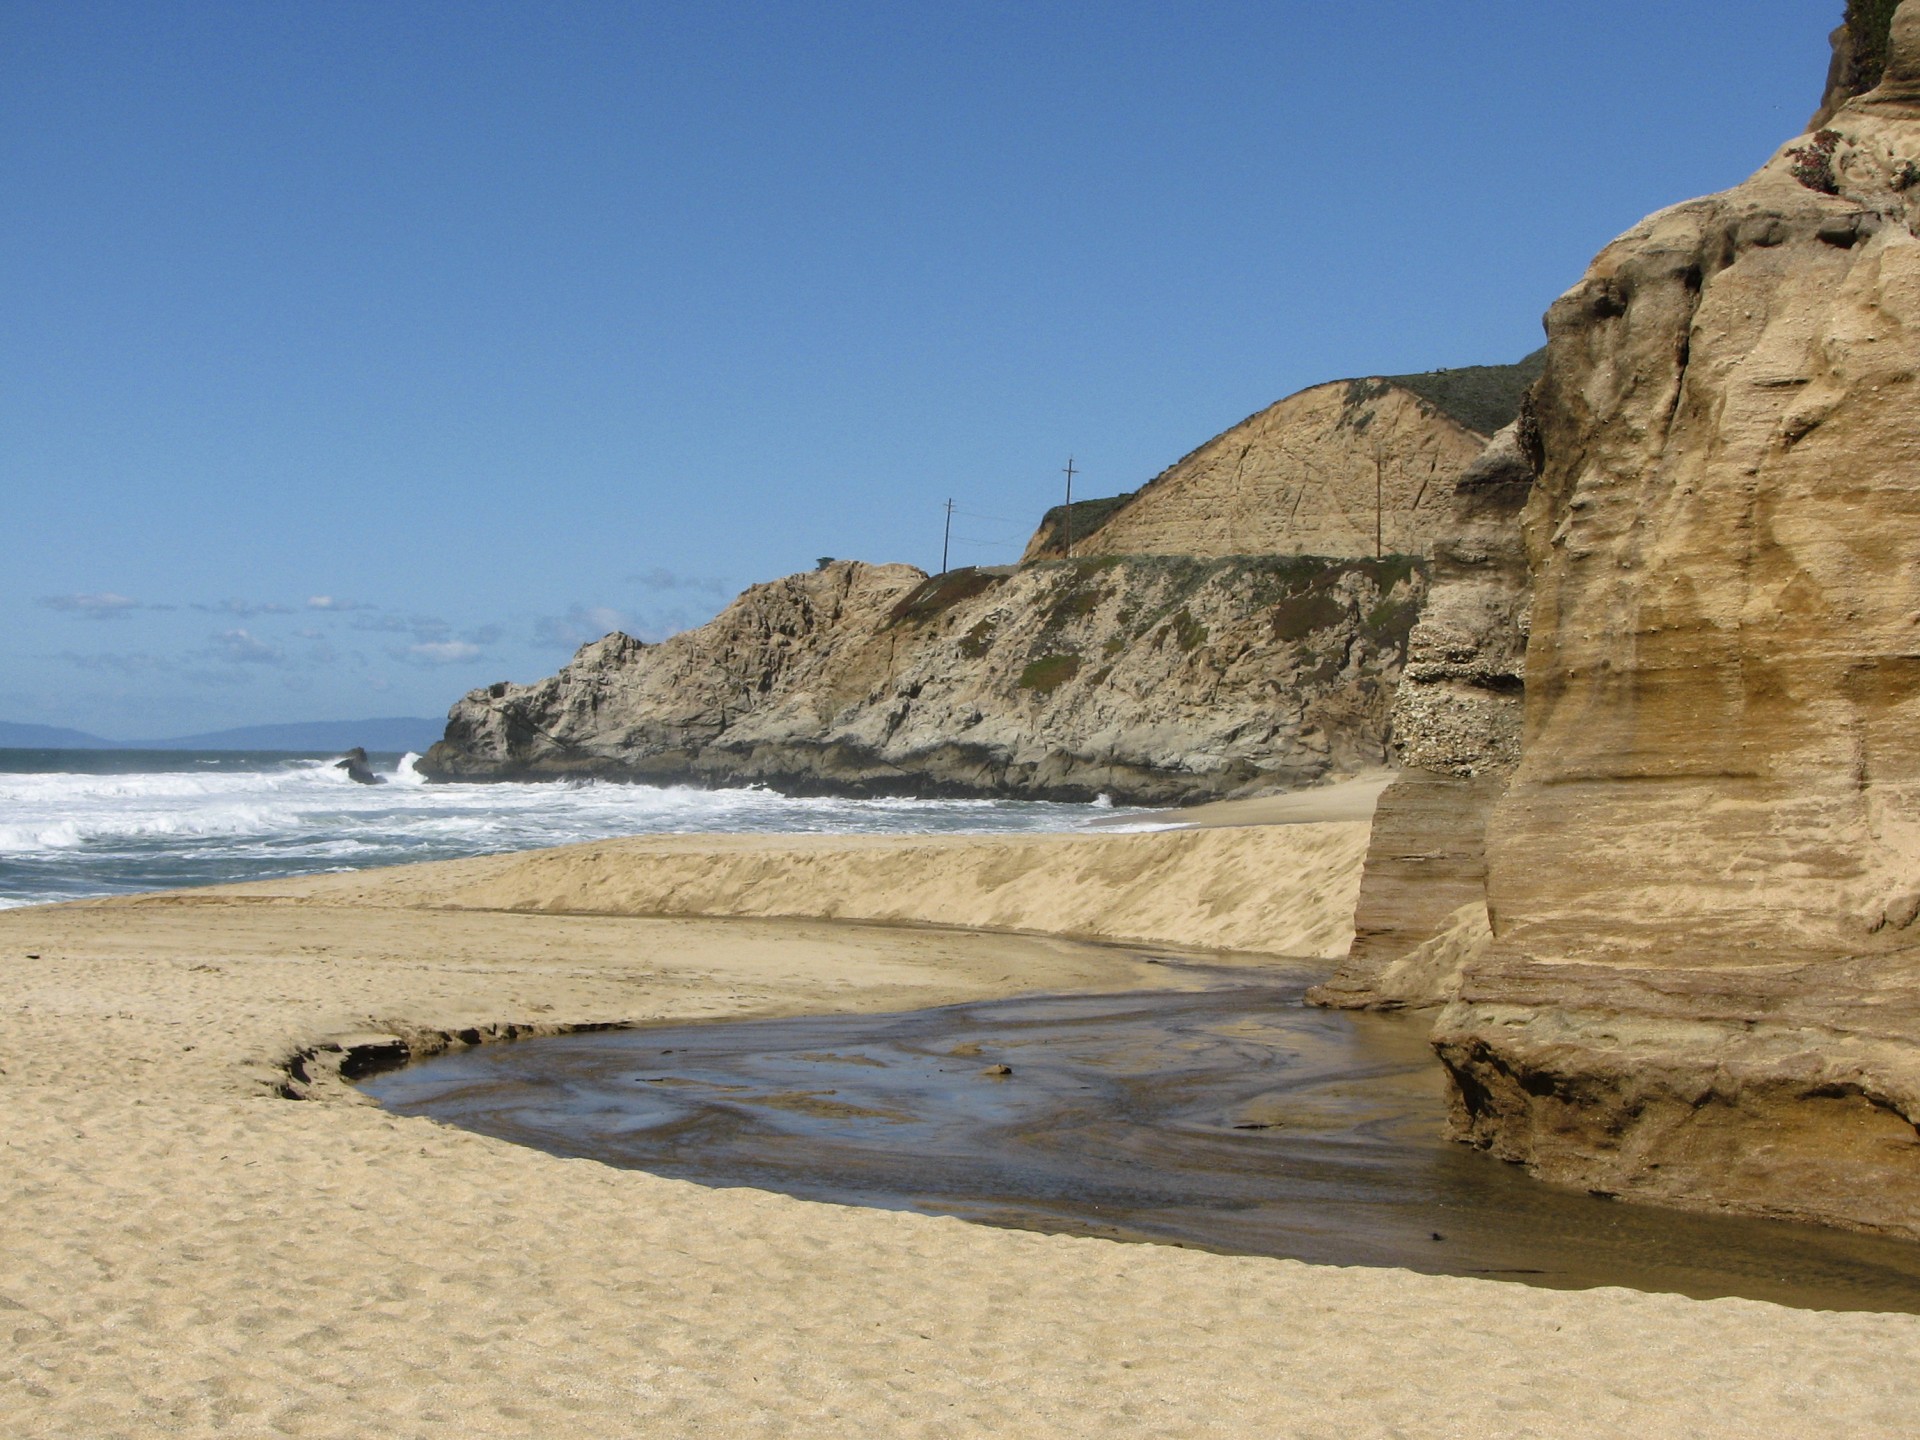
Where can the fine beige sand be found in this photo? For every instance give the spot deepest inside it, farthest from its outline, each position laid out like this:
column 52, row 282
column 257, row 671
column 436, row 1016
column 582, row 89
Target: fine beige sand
column 189, row 1251
column 1274, row 890
column 1344, row 800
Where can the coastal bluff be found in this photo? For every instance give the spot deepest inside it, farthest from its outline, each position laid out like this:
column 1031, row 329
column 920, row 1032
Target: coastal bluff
column 1238, row 625
column 1696, row 980
column 1149, row 679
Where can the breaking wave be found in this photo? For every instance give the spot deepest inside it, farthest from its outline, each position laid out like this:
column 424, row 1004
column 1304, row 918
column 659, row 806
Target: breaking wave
column 113, row 822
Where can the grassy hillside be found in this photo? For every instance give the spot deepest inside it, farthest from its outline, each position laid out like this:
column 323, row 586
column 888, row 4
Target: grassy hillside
column 1049, row 542
column 1481, row 397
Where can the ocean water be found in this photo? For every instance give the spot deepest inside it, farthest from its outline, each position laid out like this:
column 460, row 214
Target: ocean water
column 78, row 823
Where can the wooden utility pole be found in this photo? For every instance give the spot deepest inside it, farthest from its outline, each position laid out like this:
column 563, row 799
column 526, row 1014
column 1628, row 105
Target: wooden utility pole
column 1378, row 507
column 1066, row 518
column 945, row 536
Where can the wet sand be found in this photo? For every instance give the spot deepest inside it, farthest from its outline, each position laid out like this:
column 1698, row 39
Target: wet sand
column 189, row 1252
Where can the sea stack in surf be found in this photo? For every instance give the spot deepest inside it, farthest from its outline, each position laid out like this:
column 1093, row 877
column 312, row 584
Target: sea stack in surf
column 354, row 762
column 1703, row 981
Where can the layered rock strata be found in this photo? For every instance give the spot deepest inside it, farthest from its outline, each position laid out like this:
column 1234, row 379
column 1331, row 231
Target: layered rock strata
column 1422, row 912
column 1351, row 468
column 1704, row 982
column 1150, row 679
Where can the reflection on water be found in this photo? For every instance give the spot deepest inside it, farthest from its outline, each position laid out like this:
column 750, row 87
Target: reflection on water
column 1233, row 1118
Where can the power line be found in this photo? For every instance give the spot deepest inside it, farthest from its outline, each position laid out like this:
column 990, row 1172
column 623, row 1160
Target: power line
column 1068, row 517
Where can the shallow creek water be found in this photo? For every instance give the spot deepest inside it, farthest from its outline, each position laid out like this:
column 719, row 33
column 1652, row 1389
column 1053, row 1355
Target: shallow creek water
column 1231, row 1118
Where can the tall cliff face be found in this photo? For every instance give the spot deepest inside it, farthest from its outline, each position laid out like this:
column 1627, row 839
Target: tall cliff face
column 1352, row 468
column 1149, row 679
column 1456, row 725
column 1704, row 983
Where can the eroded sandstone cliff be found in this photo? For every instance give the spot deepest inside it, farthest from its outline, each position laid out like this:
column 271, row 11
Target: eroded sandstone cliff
column 1703, row 985
column 1351, row 468
column 1456, row 721
column 1859, row 45
column 1145, row 678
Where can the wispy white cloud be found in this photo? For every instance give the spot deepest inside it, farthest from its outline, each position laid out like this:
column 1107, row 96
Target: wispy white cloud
column 104, row 605
column 244, row 609
column 384, row 624
column 242, row 647
column 124, row 662
column 422, row 627
column 335, row 603
column 202, row 675
column 439, row 652
column 580, row 624
column 661, row 578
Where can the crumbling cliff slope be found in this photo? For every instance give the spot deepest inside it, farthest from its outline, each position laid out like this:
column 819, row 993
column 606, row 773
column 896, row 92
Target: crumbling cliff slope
column 1350, row 468
column 1145, row 678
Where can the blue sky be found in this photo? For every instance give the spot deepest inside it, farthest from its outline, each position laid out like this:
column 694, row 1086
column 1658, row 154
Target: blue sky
column 359, row 354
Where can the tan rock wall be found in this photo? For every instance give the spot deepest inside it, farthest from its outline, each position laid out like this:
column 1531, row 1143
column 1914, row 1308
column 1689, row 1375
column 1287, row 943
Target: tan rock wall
column 1704, row 877
column 1456, row 732
column 1354, row 468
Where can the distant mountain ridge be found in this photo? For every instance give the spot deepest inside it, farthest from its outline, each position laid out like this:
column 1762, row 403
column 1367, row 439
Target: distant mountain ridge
column 383, row 733
column 47, row 737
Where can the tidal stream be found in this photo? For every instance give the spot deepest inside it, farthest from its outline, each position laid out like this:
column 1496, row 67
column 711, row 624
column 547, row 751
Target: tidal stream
column 1233, row 1118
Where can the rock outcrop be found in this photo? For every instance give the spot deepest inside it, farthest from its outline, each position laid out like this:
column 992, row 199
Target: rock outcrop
column 358, row 769
column 1859, row 47
column 1238, row 625
column 1703, row 984
column 1422, row 913
column 1352, row 468
column 1151, row 679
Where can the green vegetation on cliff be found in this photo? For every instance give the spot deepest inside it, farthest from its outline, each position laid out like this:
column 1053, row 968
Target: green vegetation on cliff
column 1869, row 23
column 1050, row 541
column 1481, row 397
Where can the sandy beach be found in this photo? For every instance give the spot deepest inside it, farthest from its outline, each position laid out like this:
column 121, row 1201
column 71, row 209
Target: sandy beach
column 208, row 1233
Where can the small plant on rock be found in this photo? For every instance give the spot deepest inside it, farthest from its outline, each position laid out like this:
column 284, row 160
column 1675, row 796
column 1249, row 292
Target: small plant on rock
column 1813, row 164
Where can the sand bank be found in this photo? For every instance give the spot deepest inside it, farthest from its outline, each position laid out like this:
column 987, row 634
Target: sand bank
column 1278, row 890
column 1345, row 800
column 190, row 1253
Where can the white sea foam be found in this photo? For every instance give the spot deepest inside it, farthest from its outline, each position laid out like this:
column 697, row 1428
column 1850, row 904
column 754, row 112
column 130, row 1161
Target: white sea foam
column 67, row 834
